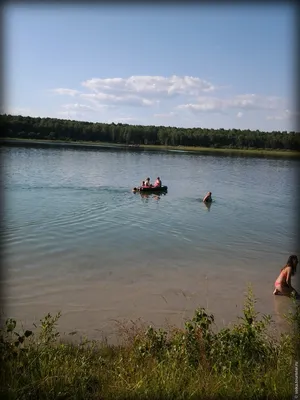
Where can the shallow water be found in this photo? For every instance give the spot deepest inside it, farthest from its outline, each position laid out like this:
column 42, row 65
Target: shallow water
column 78, row 240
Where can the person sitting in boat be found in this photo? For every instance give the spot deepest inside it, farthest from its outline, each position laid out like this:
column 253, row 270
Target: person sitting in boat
column 207, row 198
column 143, row 183
column 147, row 182
column 283, row 282
column 158, row 182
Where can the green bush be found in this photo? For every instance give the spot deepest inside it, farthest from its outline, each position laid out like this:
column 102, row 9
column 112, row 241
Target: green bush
column 190, row 363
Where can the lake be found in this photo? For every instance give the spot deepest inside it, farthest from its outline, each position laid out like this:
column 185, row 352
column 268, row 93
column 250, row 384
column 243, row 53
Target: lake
column 77, row 239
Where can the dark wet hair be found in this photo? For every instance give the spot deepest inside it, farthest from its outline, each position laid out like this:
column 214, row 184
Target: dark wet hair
column 291, row 260
column 290, row 263
column 158, row 177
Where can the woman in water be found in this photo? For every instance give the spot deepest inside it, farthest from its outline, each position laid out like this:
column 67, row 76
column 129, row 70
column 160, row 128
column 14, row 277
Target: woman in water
column 283, row 284
column 207, row 198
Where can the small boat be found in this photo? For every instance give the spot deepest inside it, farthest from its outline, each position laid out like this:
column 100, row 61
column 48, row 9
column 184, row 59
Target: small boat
column 150, row 189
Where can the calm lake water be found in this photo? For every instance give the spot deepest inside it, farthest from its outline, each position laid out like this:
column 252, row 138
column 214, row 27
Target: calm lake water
column 78, row 240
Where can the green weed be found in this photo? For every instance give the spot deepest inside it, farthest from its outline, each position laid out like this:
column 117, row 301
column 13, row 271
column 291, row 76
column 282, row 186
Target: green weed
column 190, row 363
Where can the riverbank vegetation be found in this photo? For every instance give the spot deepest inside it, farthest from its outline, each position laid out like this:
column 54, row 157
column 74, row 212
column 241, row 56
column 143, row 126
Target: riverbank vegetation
column 19, row 127
column 241, row 362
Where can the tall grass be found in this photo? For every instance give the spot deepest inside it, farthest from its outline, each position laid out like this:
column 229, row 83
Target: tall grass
column 243, row 362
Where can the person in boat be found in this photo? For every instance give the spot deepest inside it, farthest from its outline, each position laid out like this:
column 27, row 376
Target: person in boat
column 207, row 198
column 158, row 182
column 283, row 282
column 147, row 182
column 143, row 183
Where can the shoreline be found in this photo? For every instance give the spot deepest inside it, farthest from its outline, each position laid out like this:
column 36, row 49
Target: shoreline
column 95, row 308
column 177, row 149
column 103, row 323
column 193, row 357
column 110, row 332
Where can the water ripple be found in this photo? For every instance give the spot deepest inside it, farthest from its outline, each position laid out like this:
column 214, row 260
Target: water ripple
column 53, row 213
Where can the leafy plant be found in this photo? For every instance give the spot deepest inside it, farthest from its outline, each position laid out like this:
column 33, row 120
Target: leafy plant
column 193, row 362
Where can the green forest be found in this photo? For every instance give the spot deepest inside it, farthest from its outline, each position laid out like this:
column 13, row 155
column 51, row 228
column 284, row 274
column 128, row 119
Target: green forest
column 20, row 127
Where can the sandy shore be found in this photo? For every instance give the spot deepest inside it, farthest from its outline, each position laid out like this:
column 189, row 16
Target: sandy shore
column 93, row 305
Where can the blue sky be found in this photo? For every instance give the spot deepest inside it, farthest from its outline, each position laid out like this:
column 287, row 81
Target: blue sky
column 189, row 66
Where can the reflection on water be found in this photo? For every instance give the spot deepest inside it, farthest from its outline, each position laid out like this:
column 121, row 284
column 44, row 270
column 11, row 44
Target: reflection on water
column 147, row 196
column 207, row 205
column 282, row 307
column 72, row 224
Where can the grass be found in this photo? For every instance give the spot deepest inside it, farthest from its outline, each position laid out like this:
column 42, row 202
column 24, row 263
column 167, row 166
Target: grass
column 194, row 149
column 243, row 362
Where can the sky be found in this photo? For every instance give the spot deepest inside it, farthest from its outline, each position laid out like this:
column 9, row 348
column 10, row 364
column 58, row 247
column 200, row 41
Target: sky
column 208, row 66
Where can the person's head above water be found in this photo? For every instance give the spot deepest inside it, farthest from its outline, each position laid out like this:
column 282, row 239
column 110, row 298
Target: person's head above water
column 292, row 262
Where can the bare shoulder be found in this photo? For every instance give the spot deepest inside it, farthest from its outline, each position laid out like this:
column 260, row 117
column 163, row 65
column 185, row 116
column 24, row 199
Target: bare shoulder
column 288, row 268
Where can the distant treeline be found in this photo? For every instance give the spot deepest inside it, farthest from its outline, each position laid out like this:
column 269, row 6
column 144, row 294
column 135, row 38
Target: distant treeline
column 59, row 129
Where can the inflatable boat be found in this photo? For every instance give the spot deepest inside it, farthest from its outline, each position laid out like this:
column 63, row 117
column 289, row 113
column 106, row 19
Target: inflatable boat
column 150, row 189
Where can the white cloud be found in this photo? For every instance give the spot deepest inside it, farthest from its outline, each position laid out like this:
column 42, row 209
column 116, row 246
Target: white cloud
column 256, row 102
column 156, row 98
column 150, row 85
column 206, row 104
column 78, row 107
column 282, row 115
column 166, row 115
column 243, row 102
column 134, row 91
column 65, row 92
column 111, row 99
column 75, row 111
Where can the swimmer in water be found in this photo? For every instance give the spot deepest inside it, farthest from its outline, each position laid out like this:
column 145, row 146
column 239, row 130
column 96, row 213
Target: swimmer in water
column 283, row 284
column 207, row 198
